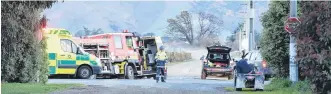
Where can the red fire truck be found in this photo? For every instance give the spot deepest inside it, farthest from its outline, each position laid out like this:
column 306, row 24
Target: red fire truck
column 124, row 54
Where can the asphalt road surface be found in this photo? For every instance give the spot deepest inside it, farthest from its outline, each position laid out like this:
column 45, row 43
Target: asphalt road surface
column 183, row 78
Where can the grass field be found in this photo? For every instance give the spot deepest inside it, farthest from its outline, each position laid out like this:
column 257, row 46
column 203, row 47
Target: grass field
column 33, row 88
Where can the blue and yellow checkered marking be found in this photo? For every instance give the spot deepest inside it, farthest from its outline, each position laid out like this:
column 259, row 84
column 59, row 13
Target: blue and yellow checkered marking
column 52, row 56
column 52, row 69
column 60, row 66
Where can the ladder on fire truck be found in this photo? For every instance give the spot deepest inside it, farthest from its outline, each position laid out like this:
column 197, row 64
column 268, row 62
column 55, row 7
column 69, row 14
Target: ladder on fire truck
column 100, row 50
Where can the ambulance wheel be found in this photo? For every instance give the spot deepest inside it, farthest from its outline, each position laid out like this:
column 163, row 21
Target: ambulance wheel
column 129, row 73
column 203, row 74
column 238, row 89
column 84, row 72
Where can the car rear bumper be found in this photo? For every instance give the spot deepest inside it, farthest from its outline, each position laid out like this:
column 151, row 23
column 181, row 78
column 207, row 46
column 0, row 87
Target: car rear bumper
column 218, row 70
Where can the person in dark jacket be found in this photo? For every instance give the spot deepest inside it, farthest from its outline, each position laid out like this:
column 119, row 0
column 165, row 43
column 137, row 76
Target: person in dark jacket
column 242, row 66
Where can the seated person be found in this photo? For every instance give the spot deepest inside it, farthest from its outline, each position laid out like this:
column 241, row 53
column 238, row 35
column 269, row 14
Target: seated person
column 243, row 67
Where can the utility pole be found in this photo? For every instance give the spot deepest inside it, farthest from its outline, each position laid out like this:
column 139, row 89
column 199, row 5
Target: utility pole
column 251, row 26
column 293, row 65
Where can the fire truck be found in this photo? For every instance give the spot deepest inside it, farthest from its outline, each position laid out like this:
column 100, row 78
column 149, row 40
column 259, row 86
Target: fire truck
column 123, row 55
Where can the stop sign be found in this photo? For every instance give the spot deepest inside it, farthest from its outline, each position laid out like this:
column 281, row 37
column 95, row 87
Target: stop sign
column 291, row 23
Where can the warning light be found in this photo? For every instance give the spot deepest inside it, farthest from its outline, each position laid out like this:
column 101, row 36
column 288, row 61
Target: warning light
column 125, row 31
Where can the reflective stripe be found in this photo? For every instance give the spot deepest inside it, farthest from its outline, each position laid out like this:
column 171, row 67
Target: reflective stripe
column 161, row 55
column 160, row 66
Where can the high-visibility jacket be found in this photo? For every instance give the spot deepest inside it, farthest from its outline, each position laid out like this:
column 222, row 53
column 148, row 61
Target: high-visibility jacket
column 161, row 55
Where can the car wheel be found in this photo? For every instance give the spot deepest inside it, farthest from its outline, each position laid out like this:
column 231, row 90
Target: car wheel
column 235, row 78
column 203, row 74
column 129, row 73
column 235, row 81
column 84, row 72
column 267, row 77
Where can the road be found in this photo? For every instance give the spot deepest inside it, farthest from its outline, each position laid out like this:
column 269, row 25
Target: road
column 183, row 78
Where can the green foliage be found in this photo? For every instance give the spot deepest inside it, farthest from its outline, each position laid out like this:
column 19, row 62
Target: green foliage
column 278, row 83
column 21, row 52
column 314, row 45
column 285, row 85
column 275, row 40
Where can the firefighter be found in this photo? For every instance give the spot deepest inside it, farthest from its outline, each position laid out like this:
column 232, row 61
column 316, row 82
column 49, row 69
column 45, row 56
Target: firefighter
column 161, row 60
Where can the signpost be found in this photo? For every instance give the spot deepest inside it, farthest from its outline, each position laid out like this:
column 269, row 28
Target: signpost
column 290, row 25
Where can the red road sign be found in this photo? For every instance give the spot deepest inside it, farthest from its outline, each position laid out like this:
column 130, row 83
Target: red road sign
column 291, row 23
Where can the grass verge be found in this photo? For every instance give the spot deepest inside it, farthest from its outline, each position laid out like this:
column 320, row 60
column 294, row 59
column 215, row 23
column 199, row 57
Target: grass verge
column 279, row 86
column 33, row 88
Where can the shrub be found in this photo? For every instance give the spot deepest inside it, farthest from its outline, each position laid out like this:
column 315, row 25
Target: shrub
column 178, row 56
column 275, row 40
column 23, row 57
column 314, row 45
column 285, row 86
column 278, row 83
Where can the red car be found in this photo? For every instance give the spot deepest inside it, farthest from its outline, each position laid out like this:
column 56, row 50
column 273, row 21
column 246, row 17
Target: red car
column 217, row 62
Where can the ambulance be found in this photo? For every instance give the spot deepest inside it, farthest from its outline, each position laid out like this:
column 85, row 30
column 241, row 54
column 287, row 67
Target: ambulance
column 66, row 57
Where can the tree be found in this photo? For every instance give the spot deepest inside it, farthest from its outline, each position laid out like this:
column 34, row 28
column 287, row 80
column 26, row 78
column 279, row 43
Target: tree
column 23, row 57
column 232, row 40
column 182, row 26
column 275, row 40
column 208, row 29
column 88, row 32
column 209, row 25
column 314, row 45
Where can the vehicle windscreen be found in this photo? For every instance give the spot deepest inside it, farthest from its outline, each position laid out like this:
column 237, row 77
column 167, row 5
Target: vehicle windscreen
column 219, row 56
column 259, row 57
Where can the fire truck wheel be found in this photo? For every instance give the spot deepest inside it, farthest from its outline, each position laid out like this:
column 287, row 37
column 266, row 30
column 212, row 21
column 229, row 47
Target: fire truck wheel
column 129, row 73
column 203, row 74
column 84, row 72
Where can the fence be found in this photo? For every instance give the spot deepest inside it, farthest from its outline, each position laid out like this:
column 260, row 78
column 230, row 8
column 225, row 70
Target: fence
column 178, row 56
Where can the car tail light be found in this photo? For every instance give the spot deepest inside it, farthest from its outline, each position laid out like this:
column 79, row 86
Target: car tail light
column 264, row 64
column 250, row 77
column 205, row 61
column 258, row 72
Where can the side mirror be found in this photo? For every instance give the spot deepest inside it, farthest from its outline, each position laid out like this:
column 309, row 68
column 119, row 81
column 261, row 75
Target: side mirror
column 78, row 51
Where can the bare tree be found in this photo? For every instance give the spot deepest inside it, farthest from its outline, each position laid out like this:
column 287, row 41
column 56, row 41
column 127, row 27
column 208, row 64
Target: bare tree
column 181, row 26
column 233, row 40
column 208, row 30
column 209, row 27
